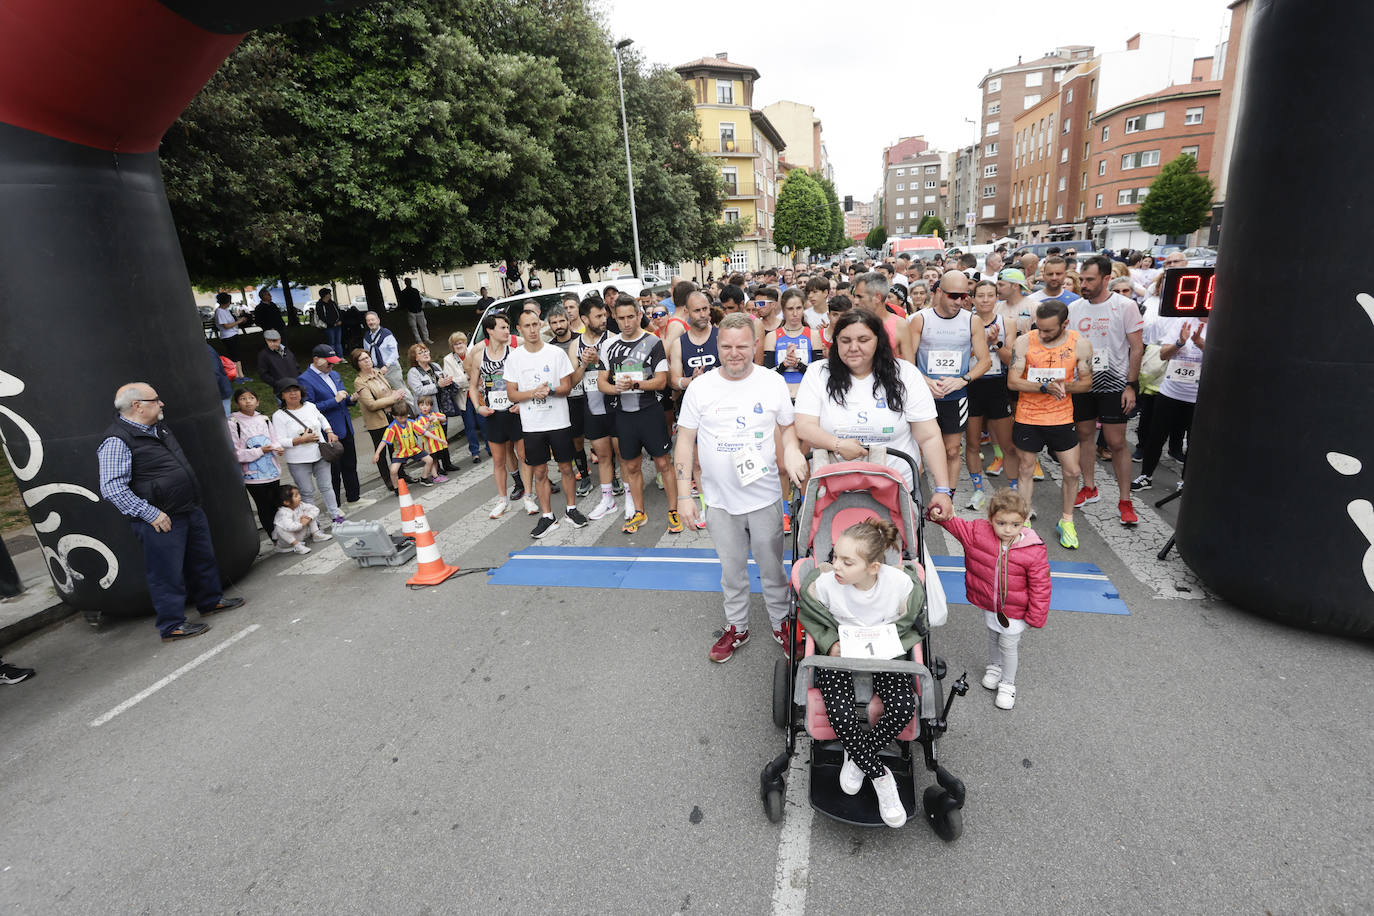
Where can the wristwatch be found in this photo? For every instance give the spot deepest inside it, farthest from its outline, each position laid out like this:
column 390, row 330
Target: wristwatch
column 634, row 385
column 1044, row 388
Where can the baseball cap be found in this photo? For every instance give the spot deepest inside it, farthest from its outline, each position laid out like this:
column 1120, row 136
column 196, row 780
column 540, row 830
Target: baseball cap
column 285, row 383
column 271, row 334
column 1014, row 275
column 326, row 351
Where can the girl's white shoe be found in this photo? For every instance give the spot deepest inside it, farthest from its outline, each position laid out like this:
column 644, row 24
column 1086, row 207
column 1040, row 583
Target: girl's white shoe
column 851, row 777
column 1006, row 696
column 993, row 677
column 889, row 802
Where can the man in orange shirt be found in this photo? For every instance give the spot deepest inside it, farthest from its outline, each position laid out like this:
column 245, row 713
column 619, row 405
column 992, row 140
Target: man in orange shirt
column 1048, row 366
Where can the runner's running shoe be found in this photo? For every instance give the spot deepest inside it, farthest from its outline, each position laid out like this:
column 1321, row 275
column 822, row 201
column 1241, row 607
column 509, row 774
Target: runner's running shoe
column 1128, row 516
column 725, row 646
column 1068, row 534
column 1141, row 483
column 633, row 522
column 1039, row 473
column 995, row 469
column 674, row 522
column 1086, row 495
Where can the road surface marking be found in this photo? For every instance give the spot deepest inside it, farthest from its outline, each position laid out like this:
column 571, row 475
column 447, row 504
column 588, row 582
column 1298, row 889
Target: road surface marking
column 791, row 877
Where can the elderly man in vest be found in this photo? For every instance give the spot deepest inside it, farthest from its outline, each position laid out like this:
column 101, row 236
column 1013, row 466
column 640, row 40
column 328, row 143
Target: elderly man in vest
column 146, row 476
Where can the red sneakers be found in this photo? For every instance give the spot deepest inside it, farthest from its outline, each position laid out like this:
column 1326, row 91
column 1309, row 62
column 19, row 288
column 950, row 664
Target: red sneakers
column 729, row 641
column 1085, row 495
column 1128, row 516
column 780, row 637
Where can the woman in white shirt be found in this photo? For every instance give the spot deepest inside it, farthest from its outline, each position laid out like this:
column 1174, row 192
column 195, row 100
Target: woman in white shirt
column 301, row 427
column 863, row 395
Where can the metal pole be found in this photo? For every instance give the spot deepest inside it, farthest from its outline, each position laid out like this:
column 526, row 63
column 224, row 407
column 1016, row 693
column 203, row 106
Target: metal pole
column 629, row 169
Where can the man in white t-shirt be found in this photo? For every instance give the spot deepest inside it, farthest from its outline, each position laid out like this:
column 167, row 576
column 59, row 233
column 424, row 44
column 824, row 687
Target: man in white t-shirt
column 538, row 377
column 1054, row 270
column 1112, row 324
column 742, row 416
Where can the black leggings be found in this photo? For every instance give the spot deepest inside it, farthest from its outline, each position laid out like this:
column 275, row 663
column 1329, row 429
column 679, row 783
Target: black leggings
column 899, row 705
column 1171, row 419
column 267, row 497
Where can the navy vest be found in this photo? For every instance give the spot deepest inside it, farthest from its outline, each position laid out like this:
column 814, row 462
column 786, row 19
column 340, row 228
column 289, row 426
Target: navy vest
column 161, row 474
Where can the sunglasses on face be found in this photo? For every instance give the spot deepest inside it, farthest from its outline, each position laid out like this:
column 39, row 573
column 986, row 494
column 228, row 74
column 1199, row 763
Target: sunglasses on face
column 659, row 315
column 957, row 297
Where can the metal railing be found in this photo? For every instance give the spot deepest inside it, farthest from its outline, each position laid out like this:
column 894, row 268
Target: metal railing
column 739, row 146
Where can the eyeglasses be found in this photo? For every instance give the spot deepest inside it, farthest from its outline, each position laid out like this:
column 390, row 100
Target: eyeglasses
column 659, row 315
column 957, row 297
column 151, row 401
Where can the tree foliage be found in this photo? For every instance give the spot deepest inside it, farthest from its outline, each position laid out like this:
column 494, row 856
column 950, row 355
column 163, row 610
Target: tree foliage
column 835, row 242
column 876, row 238
column 801, row 219
column 1179, row 200
column 932, row 225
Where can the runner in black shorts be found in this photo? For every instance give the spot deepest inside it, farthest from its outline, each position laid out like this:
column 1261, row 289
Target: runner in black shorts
column 486, row 383
column 588, row 365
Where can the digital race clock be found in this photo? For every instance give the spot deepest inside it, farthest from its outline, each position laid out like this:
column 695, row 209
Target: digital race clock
column 1187, row 292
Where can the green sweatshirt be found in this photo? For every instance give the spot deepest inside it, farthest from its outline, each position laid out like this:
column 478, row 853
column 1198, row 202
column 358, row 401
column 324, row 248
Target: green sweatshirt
column 815, row 617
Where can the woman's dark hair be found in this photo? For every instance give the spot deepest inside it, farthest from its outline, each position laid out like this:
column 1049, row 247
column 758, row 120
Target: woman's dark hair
column 885, row 371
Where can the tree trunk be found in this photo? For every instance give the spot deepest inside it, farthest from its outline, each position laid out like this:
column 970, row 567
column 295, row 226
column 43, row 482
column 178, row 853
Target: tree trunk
column 585, row 273
column 395, row 285
column 292, row 313
column 372, row 287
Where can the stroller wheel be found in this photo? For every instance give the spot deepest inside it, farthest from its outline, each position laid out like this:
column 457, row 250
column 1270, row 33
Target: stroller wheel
column 780, row 698
column 772, row 805
column 948, row 825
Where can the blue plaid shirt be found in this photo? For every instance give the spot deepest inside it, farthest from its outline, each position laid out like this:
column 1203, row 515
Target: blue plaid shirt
column 116, row 470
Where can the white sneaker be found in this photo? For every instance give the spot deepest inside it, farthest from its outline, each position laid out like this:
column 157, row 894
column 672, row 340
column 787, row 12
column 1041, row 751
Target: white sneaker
column 531, row 505
column 978, row 500
column 889, row 802
column 851, row 777
column 321, row 536
column 601, row 509
column 1006, row 696
column 498, row 508
column 301, row 548
column 658, row 480
column 284, row 548
column 993, row 677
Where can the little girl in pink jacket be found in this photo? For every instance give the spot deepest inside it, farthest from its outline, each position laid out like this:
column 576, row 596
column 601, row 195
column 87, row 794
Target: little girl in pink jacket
column 1007, row 574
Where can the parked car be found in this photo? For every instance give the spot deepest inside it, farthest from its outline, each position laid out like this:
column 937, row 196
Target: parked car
column 431, row 302
column 360, row 303
column 464, row 297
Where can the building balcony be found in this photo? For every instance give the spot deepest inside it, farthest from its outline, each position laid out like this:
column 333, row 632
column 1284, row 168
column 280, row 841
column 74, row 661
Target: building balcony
column 734, row 193
column 714, row 146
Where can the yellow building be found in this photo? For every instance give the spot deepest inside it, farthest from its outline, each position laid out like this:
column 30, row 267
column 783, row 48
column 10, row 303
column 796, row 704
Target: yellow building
column 745, row 145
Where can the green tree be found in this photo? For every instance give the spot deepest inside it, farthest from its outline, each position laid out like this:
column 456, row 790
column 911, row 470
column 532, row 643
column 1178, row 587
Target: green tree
column 1179, row 200
column 801, row 219
column 835, row 242
column 931, row 225
column 876, row 238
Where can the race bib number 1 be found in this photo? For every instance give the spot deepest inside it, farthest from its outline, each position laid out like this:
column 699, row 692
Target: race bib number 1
column 870, row 642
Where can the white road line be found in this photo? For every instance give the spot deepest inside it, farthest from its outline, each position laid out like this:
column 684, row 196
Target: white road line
column 791, row 876
column 193, row 663
column 1137, row 547
column 326, row 558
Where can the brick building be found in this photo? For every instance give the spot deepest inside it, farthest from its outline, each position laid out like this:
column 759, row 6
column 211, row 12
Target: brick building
column 915, row 179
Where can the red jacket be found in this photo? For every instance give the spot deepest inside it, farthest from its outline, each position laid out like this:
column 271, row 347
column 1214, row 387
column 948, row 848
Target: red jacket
column 1021, row 573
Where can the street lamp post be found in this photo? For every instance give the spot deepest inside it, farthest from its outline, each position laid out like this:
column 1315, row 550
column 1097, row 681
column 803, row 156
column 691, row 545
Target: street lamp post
column 629, row 169
column 968, row 230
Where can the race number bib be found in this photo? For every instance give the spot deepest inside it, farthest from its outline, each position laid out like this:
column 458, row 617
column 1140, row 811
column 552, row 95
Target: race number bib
column 631, row 375
column 1102, row 361
column 589, row 380
column 868, row 435
column 944, row 362
column 870, row 642
column 1182, row 370
column 497, row 399
column 529, row 381
column 749, row 466
column 1045, row 376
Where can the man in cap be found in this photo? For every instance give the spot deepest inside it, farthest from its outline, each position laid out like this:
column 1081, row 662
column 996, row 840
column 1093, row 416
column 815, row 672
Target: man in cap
column 325, row 389
column 276, row 362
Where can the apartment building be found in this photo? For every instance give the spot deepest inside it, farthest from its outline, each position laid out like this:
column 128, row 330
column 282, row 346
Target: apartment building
column 802, row 137
column 1007, row 94
column 746, row 146
column 915, row 185
column 858, row 222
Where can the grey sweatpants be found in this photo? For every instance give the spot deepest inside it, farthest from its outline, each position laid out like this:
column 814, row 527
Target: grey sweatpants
column 734, row 536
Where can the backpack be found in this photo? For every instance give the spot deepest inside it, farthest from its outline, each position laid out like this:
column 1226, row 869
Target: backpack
column 230, row 370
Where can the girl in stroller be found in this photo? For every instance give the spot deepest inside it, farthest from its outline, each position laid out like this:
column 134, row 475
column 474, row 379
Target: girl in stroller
column 861, row 591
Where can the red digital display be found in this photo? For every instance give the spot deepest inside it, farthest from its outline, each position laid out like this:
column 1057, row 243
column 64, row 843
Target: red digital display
column 1187, row 292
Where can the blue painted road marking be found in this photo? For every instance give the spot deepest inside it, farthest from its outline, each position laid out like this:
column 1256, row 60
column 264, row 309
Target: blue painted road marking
column 1077, row 586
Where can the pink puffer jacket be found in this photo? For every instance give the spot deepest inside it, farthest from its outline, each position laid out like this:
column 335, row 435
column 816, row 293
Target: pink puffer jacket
column 1023, row 579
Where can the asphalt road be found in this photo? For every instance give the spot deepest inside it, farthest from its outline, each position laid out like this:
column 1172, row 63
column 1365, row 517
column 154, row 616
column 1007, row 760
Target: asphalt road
column 360, row 747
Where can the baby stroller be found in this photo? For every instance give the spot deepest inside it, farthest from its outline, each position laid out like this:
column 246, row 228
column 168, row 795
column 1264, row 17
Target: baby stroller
column 840, row 494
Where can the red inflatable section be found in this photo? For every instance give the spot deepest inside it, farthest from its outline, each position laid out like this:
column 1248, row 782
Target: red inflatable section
column 126, row 71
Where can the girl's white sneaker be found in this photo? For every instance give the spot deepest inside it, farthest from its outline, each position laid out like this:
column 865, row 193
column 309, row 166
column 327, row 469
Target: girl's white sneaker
column 889, row 802
column 1006, row 696
column 993, row 677
column 851, row 777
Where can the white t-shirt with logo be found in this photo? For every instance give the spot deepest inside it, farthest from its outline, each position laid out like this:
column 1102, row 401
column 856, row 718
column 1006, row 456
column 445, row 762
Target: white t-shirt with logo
column 865, row 415
column 733, row 418
column 1105, row 326
column 548, row 365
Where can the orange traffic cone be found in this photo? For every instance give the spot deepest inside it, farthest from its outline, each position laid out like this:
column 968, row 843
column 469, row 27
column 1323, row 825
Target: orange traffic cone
column 408, row 509
column 432, row 568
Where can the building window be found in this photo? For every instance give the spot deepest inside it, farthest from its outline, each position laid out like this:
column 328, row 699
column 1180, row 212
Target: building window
column 483, row 279
column 1030, row 102
column 1064, row 154
column 900, row 215
column 932, row 170
column 990, row 149
column 901, row 171
column 901, row 201
column 1189, row 151
column 447, row 281
column 731, row 215
column 1102, row 166
column 1081, row 205
column 930, row 198
column 994, row 85
column 1099, row 201
column 1059, row 212
column 990, row 171
column 725, row 93
column 994, row 108
column 1106, row 132
column 739, row 260
column 989, row 210
column 1125, row 196
column 992, row 128
column 1062, row 180
column 930, row 213
column 1140, row 160
column 989, row 190
column 731, row 176
column 932, row 183
column 901, row 186
column 1070, row 95
column 1065, row 128
column 1035, row 79
column 1192, row 116
column 727, row 137
column 1151, row 121
column 1083, row 184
